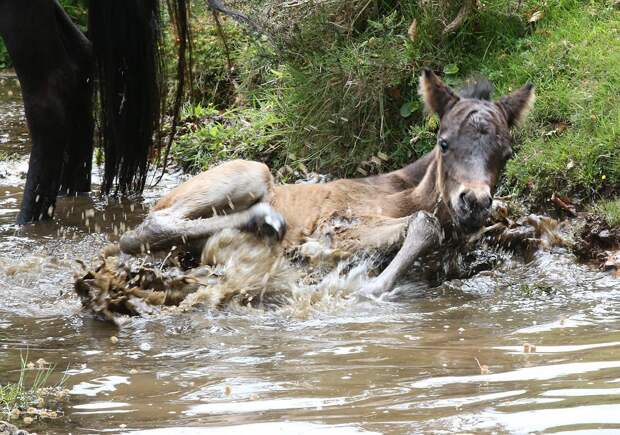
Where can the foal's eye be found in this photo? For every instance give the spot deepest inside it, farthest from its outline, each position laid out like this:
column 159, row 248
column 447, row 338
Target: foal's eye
column 443, row 144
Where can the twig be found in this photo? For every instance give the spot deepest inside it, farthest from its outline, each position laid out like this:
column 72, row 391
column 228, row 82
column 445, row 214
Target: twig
column 460, row 17
column 220, row 32
column 217, row 6
column 182, row 28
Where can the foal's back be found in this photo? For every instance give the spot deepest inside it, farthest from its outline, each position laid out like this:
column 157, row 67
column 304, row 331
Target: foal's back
column 306, row 206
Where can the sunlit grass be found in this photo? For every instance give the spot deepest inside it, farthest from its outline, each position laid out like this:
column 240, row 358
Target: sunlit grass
column 572, row 143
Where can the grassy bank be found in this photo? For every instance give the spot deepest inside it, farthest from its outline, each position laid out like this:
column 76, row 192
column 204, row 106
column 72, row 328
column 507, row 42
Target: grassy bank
column 341, row 88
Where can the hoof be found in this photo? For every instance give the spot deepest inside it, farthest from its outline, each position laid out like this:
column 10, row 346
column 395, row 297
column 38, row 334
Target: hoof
column 130, row 243
column 427, row 226
column 267, row 223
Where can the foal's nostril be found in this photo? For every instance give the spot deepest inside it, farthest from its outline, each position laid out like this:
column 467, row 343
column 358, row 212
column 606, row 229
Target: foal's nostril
column 488, row 202
column 468, row 199
column 472, row 202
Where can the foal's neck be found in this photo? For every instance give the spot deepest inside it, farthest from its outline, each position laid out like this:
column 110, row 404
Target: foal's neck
column 414, row 173
column 415, row 186
column 425, row 193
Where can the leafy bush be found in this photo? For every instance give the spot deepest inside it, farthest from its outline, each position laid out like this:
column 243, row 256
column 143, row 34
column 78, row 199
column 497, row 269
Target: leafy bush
column 209, row 136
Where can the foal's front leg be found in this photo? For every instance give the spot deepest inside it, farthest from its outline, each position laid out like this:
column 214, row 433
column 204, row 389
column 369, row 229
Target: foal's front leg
column 423, row 233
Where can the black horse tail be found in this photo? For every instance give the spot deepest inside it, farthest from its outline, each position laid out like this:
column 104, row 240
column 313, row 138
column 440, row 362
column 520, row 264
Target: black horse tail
column 126, row 37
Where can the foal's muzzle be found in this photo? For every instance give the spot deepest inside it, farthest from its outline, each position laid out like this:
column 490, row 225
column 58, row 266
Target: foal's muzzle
column 473, row 207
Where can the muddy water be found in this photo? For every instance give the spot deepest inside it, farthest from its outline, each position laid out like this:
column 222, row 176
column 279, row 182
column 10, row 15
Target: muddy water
column 410, row 365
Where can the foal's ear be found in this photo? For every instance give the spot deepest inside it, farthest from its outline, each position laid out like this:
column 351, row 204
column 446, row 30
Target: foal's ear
column 517, row 105
column 437, row 97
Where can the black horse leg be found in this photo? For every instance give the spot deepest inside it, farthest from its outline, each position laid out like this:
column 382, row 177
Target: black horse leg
column 52, row 88
column 77, row 168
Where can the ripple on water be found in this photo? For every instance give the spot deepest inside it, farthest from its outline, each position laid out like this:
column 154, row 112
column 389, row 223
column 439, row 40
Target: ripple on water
column 537, row 373
column 99, row 385
column 292, row 428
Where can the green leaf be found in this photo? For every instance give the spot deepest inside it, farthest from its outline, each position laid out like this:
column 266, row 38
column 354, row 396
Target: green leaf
column 409, row 107
column 451, row 69
column 375, row 24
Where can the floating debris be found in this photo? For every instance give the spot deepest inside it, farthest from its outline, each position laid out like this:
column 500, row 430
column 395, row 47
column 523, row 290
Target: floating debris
column 42, row 364
column 234, row 266
column 484, row 369
column 613, row 263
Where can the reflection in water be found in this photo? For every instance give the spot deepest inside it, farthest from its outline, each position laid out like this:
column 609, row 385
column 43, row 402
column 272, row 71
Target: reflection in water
column 344, row 367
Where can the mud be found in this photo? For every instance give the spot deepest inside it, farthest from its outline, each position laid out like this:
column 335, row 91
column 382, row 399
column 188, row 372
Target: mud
column 596, row 242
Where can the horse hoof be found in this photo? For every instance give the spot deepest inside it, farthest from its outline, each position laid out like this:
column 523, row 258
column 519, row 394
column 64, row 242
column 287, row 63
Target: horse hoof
column 267, row 223
column 129, row 243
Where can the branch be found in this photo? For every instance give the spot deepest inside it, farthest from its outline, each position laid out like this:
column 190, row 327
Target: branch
column 217, row 6
column 460, row 17
column 220, row 32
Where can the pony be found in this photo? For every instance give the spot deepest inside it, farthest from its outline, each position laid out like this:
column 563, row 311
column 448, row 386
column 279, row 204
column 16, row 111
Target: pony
column 407, row 210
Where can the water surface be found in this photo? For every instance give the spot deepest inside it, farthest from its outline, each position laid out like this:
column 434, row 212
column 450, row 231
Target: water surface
column 412, row 365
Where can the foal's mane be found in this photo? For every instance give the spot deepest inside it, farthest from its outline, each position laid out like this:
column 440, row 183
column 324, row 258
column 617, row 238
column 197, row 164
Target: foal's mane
column 480, row 89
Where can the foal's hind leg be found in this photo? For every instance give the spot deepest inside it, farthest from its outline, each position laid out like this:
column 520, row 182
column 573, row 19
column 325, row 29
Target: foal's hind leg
column 161, row 231
column 232, row 195
column 227, row 188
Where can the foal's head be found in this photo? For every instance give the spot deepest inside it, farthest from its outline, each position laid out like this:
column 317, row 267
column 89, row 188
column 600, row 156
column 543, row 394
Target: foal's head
column 473, row 143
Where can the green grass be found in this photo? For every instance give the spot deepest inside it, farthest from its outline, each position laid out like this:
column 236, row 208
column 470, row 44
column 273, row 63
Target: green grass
column 32, row 397
column 610, row 210
column 572, row 143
